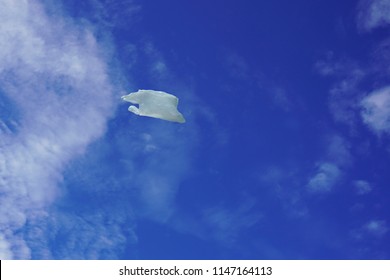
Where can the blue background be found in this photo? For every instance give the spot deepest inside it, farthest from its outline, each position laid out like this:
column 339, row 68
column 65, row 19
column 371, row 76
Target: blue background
column 284, row 153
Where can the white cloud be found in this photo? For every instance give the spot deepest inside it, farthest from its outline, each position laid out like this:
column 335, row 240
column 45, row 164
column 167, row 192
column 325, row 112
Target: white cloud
column 362, row 187
column 324, row 178
column 376, row 110
column 373, row 14
column 54, row 73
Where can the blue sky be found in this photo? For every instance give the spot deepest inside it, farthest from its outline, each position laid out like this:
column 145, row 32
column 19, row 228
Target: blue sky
column 284, row 154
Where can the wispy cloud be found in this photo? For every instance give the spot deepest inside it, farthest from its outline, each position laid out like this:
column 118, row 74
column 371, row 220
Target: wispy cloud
column 376, row 110
column 349, row 102
column 344, row 94
column 159, row 177
column 226, row 224
column 115, row 13
column 338, row 151
column 373, row 14
column 157, row 66
column 286, row 184
column 54, row 73
column 369, row 238
column 220, row 222
column 324, row 178
column 68, row 235
column 376, row 227
column 362, row 187
column 330, row 169
column 236, row 66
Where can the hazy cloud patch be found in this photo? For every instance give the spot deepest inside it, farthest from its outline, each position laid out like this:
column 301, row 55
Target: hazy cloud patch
column 373, row 14
column 377, row 228
column 226, row 225
column 376, row 110
column 362, row 187
column 324, row 178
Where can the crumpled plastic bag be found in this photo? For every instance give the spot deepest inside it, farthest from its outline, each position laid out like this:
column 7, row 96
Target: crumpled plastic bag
column 155, row 104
